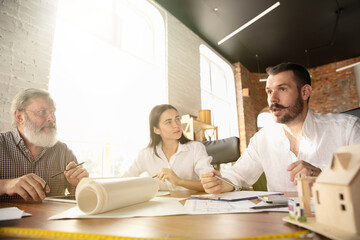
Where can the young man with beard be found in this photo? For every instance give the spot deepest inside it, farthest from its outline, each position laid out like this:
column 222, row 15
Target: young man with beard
column 31, row 153
column 298, row 142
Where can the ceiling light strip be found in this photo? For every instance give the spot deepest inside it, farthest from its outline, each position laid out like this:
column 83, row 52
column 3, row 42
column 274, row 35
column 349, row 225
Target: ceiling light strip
column 348, row 66
column 250, row 22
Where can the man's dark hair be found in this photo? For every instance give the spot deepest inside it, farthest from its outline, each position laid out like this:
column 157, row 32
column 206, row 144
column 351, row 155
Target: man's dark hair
column 302, row 76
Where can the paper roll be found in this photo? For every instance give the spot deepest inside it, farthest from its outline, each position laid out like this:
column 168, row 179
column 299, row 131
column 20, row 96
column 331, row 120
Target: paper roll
column 99, row 195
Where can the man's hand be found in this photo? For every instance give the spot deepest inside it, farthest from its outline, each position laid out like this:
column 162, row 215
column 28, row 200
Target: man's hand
column 214, row 185
column 76, row 174
column 169, row 175
column 303, row 168
column 30, row 187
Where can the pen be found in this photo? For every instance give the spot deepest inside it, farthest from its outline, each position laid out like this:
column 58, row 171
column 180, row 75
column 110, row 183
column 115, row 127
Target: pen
column 154, row 176
column 237, row 188
column 45, row 187
column 270, row 206
column 68, row 169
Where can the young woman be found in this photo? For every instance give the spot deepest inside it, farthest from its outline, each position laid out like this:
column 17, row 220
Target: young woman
column 173, row 159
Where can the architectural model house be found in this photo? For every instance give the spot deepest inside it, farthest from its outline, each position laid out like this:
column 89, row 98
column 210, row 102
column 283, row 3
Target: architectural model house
column 336, row 191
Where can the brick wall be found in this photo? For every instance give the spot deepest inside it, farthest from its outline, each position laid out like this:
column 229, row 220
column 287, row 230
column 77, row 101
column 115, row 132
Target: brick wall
column 248, row 106
column 26, row 36
column 332, row 92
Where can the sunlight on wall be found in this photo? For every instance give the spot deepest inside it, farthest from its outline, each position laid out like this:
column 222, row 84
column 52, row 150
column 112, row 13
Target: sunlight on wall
column 108, row 71
column 218, row 92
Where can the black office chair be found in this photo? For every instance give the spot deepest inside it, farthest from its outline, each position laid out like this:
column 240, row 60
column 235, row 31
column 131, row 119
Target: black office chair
column 355, row 112
column 228, row 150
column 223, row 150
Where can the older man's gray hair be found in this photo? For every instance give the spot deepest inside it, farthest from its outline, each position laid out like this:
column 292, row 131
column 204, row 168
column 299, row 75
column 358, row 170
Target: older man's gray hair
column 22, row 100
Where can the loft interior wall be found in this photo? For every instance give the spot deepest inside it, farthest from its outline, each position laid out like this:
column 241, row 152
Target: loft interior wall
column 26, row 39
column 183, row 64
column 357, row 79
column 26, row 45
column 334, row 92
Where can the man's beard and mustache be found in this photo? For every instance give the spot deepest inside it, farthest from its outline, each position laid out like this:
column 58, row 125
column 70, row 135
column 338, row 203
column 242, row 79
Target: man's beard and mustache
column 36, row 136
column 293, row 111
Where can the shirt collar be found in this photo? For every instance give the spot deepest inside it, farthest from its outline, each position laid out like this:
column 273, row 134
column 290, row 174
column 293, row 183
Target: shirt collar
column 308, row 126
column 181, row 148
column 17, row 137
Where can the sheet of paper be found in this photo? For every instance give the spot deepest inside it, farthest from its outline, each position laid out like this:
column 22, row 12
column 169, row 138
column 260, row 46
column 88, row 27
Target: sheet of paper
column 155, row 207
column 232, row 196
column 12, row 213
column 196, row 206
column 162, row 193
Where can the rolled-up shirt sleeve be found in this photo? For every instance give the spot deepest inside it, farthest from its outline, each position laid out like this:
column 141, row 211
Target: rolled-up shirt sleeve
column 247, row 169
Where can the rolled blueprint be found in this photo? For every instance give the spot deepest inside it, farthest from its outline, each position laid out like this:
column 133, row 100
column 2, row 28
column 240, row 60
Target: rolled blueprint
column 99, row 195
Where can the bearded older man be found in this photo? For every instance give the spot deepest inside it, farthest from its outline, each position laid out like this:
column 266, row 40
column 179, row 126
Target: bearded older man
column 299, row 141
column 31, row 153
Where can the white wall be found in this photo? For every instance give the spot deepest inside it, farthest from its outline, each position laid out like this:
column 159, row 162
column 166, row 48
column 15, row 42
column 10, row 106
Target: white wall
column 26, row 36
column 183, row 59
column 183, row 67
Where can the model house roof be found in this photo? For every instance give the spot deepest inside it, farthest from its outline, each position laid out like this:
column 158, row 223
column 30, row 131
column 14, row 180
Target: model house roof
column 343, row 168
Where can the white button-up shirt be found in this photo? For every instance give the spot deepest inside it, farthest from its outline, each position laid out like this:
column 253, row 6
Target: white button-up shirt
column 190, row 160
column 269, row 150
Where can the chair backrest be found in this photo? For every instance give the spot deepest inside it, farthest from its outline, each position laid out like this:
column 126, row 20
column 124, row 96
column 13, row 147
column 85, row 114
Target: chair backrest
column 355, row 112
column 223, row 150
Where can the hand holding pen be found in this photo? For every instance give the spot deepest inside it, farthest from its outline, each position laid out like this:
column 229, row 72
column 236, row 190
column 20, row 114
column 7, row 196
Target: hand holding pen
column 169, row 175
column 73, row 173
column 214, row 184
column 236, row 188
column 67, row 168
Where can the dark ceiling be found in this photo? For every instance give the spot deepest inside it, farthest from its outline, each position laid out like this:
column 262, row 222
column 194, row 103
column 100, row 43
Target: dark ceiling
column 308, row 32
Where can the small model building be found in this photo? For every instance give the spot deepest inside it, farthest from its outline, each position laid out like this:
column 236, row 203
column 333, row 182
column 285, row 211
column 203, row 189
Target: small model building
column 296, row 213
column 336, row 191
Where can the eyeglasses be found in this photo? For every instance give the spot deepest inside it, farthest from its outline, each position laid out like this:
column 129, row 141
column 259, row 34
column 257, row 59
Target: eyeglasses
column 44, row 113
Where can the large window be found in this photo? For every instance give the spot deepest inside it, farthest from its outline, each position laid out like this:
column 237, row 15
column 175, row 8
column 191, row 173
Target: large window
column 108, row 71
column 218, row 92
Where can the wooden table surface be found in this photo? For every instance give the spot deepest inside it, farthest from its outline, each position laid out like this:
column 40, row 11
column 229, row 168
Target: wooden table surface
column 215, row 226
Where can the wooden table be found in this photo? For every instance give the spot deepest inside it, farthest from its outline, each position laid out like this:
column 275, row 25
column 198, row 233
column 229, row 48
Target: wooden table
column 216, row 226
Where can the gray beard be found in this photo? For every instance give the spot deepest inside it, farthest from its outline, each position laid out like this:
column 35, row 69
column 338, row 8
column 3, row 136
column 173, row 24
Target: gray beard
column 38, row 138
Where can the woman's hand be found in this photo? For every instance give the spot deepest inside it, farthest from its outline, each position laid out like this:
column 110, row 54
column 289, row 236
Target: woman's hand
column 169, row 175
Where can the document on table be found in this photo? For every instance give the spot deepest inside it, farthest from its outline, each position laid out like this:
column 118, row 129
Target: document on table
column 12, row 213
column 197, row 206
column 158, row 206
column 235, row 196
